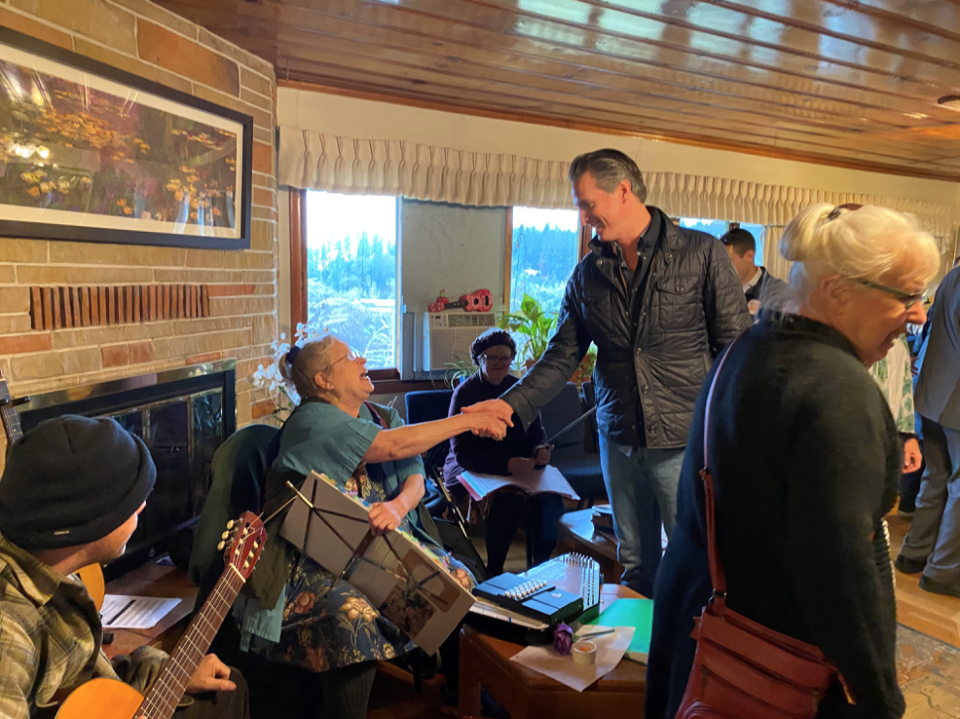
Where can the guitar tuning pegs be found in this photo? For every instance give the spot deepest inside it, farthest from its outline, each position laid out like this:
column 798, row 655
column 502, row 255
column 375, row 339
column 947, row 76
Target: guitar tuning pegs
column 221, row 546
column 224, row 535
column 230, row 524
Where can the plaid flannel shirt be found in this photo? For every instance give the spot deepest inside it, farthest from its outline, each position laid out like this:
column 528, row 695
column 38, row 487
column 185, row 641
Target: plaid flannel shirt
column 50, row 637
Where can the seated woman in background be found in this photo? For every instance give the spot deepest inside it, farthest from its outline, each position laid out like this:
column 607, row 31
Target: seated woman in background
column 806, row 460
column 329, row 627
column 493, row 352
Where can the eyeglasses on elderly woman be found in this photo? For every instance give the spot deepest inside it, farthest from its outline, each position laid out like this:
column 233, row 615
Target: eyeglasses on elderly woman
column 908, row 300
column 496, row 359
column 351, row 356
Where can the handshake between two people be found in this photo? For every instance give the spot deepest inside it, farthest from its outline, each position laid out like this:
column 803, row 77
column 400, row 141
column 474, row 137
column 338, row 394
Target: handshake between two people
column 491, row 418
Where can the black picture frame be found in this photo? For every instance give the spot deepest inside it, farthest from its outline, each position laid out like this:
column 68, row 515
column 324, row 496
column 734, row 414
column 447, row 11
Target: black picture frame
column 31, row 229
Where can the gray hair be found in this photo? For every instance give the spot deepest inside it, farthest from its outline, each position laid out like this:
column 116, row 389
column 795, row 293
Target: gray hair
column 609, row 168
column 300, row 368
column 856, row 242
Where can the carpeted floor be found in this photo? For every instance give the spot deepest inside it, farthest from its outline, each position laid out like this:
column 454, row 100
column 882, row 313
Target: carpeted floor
column 929, row 675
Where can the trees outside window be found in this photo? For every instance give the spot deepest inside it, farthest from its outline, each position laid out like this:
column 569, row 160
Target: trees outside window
column 351, row 254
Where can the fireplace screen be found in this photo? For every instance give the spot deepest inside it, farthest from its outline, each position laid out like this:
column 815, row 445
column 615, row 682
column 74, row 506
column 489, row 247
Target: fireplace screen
column 182, row 416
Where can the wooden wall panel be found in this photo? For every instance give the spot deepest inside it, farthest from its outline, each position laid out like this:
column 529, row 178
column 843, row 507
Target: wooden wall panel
column 53, row 308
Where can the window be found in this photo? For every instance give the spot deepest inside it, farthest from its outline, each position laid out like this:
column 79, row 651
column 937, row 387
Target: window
column 717, row 228
column 757, row 232
column 546, row 246
column 351, row 271
column 711, row 227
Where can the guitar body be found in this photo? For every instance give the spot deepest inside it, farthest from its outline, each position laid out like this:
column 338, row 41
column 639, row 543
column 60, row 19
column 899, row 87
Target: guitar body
column 112, row 699
column 92, row 578
column 103, row 699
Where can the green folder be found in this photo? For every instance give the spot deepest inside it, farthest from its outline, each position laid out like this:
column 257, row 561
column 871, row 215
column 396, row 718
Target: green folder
column 637, row 613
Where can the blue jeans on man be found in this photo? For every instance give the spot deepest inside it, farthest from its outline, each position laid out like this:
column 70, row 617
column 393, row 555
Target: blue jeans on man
column 934, row 535
column 642, row 489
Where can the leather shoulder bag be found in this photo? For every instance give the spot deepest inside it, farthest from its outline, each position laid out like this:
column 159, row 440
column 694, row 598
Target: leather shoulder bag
column 742, row 669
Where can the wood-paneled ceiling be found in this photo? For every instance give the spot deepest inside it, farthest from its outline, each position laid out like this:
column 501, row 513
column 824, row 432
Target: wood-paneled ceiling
column 844, row 82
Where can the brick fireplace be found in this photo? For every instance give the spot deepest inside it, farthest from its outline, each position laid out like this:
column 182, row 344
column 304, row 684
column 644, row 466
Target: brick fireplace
column 145, row 39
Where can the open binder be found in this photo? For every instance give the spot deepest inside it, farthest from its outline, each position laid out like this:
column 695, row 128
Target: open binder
column 402, row 578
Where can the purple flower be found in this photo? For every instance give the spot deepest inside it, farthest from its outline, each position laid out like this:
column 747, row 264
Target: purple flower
column 562, row 639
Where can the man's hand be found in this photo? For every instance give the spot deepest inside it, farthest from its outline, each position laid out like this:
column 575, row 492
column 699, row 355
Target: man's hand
column 542, row 454
column 490, row 419
column 212, row 675
column 911, row 455
column 520, row 465
column 385, row 516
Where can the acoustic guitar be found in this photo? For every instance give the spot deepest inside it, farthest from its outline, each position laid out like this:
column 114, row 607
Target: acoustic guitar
column 92, row 575
column 112, row 699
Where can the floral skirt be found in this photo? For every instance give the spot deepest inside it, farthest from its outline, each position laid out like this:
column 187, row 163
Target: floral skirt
column 329, row 624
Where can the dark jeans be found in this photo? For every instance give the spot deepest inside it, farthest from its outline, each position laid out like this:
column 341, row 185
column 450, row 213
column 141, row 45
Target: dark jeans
column 219, row 705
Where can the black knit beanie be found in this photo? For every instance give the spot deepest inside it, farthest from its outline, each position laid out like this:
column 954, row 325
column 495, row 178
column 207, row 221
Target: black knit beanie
column 71, row 481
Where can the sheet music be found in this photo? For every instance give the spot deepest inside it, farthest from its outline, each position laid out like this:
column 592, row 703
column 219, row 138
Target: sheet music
column 536, row 481
column 400, row 577
column 123, row 611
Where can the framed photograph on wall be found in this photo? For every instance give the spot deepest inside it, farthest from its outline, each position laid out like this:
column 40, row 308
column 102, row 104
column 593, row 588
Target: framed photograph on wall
column 92, row 153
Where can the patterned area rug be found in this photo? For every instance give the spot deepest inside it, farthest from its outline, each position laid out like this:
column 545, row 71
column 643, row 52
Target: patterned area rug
column 929, row 675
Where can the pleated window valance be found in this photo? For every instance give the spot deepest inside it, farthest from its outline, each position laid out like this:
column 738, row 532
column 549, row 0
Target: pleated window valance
column 311, row 160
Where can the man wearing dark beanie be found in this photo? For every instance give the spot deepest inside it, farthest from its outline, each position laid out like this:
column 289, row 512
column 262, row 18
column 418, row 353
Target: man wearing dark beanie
column 69, row 496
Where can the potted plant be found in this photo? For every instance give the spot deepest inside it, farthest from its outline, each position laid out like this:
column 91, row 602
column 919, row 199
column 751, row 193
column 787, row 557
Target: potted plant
column 458, row 371
column 535, row 325
column 538, row 327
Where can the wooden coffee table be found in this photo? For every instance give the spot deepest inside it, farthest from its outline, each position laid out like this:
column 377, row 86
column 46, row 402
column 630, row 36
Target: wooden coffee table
column 153, row 580
column 485, row 662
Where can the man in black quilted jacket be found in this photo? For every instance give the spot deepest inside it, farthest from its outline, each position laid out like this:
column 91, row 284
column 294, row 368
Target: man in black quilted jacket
column 660, row 302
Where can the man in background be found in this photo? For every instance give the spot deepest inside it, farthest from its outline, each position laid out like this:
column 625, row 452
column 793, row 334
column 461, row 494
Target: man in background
column 70, row 495
column 932, row 546
column 759, row 286
column 660, row 302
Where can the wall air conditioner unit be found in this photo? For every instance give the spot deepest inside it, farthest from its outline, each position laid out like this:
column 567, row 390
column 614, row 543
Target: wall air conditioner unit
column 447, row 336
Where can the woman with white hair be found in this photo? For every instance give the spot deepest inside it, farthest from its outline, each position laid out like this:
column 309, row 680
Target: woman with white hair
column 806, row 458
column 329, row 627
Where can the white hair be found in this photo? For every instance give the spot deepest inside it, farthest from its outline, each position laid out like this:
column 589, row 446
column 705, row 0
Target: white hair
column 860, row 244
column 313, row 357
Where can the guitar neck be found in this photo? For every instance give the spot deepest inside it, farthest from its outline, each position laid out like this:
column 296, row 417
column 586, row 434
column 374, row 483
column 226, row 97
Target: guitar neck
column 165, row 693
column 11, row 424
column 9, row 416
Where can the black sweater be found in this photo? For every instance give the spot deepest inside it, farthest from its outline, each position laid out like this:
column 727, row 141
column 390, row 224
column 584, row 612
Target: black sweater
column 479, row 454
column 806, row 460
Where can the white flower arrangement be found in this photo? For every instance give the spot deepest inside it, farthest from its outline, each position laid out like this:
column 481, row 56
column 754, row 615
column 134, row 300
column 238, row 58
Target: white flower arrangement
column 270, row 379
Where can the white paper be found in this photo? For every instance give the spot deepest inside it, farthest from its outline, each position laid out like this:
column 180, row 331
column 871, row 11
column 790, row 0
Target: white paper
column 536, row 481
column 123, row 611
column 610, row 650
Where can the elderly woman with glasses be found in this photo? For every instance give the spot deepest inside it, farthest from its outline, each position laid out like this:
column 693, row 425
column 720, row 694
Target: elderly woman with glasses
column 493, row 352
column 329, row 627
column 806, row 459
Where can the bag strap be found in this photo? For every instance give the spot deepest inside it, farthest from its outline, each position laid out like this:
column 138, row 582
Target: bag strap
column 717, row 576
